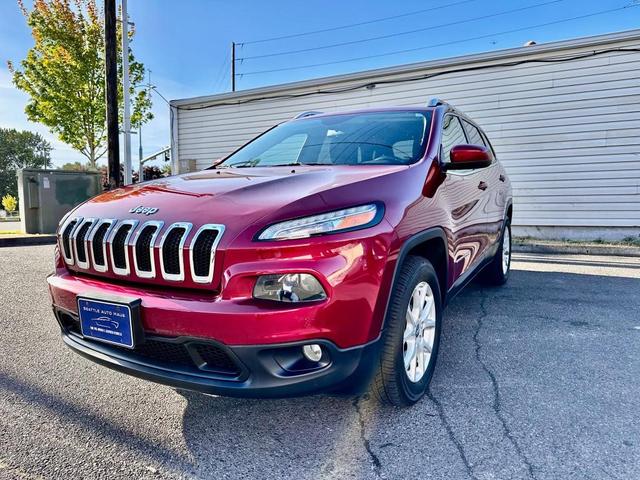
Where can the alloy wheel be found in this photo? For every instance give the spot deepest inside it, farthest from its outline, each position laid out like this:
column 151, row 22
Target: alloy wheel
column 419, row 332
column 506, row 250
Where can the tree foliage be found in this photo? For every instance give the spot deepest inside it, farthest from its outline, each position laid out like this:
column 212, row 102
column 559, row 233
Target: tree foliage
column 20, row 149
column 76, row 167
column 64, row 74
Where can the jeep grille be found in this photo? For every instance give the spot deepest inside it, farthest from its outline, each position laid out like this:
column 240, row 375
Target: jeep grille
column 107, row 245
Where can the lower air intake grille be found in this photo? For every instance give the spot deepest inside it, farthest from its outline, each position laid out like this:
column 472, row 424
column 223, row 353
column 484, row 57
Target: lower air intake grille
column 171, row 251
column 143, row 248
column 119, row 248
column 215, row 358
column 192, row 355
column 202, row 252
column 173, row 353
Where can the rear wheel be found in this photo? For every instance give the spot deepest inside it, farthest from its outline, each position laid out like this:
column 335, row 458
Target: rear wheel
column 412, row 335
column 497, row 272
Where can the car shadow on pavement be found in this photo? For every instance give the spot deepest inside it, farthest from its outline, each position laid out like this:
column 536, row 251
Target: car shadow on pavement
column 78, row 416
column 300, row 437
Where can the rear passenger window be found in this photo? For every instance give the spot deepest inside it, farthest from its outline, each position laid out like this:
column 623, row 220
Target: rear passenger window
column 452, row 135
column 475, row 137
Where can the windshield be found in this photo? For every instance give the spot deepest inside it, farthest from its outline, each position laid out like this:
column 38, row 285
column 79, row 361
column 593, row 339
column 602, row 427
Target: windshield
column 378, row 138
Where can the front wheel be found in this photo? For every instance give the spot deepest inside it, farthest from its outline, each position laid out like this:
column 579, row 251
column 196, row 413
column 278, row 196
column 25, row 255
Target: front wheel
column 497, row 272
column 412, row 335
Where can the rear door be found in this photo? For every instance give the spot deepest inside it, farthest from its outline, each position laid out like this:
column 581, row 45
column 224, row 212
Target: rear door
column 466, row 196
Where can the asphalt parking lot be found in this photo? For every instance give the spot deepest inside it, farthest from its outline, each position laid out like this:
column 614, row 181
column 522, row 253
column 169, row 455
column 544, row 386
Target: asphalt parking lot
column 538, row 379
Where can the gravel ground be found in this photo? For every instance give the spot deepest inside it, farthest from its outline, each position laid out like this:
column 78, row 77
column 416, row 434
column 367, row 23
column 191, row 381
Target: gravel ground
column 538, row 379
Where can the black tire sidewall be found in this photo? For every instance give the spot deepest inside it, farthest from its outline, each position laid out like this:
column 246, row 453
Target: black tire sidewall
column 410, row 390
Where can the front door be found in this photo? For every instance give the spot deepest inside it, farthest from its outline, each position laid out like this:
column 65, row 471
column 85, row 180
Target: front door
column 467, row 195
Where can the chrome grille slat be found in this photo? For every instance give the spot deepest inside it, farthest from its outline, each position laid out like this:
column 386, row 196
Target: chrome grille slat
column 78, row 239
column 66, row 239
column 97, row 240
column 143, row 249
column 172, row 254
column 121, row 234
column 202, row 252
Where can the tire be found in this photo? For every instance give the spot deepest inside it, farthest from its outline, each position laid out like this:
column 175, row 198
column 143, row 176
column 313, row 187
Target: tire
column 495, row 273
column 392, row 383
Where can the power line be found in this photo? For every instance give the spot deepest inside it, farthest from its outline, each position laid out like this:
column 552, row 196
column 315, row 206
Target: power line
column 426, row 47
column 221, row 74
column 406, row 32
column 351, row 25
column 371, row 84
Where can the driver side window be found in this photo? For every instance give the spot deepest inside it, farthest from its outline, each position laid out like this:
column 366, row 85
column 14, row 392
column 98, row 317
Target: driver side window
column 452, row 135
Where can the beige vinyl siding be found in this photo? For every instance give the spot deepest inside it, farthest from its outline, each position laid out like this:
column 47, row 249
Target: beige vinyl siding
column 567, row 133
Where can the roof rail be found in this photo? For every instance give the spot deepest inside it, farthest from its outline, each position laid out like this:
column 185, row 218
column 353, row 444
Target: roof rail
column 310, row 113
column 435, row 102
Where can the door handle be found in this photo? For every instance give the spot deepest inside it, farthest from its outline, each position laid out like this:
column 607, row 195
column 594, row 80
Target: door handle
column 502, row 178
column 482, row 186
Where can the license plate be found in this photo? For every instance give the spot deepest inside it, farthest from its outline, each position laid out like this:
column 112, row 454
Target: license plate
column 105, row 321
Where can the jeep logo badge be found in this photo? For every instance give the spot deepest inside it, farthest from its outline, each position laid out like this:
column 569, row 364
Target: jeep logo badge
column 144, row 210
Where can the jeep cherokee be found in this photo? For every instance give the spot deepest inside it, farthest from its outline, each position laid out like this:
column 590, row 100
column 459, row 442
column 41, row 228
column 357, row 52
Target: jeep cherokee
column 317, row 257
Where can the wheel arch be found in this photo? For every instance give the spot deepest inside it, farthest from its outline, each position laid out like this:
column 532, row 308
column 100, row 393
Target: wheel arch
column 432, row 245
column 509, row 210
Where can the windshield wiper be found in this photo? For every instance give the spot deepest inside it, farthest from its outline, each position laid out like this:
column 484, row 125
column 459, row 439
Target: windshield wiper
column 246, row 164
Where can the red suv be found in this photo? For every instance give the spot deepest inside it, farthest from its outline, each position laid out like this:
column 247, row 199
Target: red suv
column 318, row 257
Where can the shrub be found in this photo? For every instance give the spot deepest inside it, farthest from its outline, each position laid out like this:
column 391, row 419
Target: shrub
column 9, row 203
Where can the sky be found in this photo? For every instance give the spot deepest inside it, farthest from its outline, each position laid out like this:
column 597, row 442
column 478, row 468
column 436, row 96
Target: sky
column 186, row 44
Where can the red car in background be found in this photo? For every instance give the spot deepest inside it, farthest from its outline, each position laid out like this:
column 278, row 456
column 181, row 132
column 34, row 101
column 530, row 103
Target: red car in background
column 318, row 257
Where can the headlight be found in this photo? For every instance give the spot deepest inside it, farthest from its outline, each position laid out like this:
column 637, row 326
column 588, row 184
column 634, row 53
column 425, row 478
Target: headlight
column 289, row 287
column 331, row 222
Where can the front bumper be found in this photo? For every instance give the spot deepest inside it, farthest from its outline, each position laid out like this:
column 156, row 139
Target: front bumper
column 257, row 371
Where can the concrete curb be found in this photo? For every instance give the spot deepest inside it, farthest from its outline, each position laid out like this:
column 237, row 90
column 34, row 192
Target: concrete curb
column 26, row 241
column 577, row 249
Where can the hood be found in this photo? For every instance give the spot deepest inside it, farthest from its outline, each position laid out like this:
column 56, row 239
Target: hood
column 233, row 197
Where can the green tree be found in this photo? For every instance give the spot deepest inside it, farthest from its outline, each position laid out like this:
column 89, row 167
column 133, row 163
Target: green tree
column 76, row 167
column 20, row 149
column 63, row 73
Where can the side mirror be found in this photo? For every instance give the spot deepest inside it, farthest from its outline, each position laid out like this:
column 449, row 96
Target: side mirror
column 463, row 157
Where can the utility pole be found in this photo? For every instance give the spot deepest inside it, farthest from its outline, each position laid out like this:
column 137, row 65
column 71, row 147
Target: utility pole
column 233, row 66
column 126, row 116
column 111, row 89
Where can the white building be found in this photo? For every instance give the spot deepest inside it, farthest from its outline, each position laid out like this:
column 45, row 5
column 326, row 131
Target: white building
column 564, row 118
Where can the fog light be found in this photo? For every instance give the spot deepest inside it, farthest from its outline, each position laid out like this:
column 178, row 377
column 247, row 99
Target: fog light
column 290, row 287
column 313, row 352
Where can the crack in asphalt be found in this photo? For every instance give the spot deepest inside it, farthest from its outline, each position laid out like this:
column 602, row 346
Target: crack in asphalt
column 496, row 405
column 375, row 461
column 452, row 436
